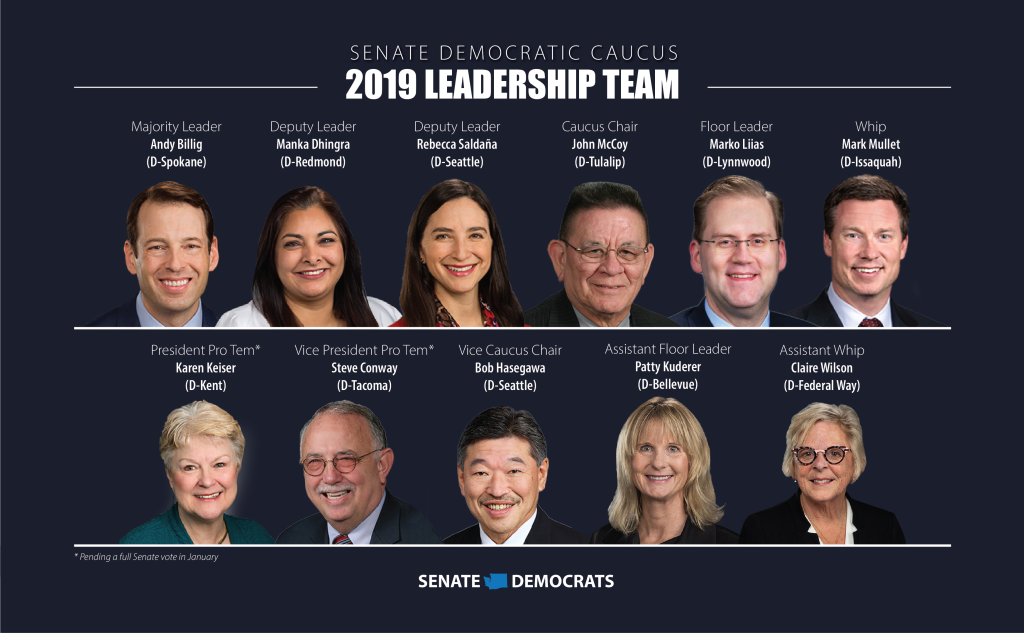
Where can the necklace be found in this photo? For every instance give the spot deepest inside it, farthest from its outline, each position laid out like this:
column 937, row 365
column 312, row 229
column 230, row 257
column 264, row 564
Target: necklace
column 224, row 538
column 838, row 535
column 834, row 538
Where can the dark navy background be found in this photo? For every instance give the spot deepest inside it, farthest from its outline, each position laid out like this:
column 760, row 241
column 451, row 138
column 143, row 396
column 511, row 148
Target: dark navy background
column 528, row 178
column 581, row 402
column 83, row 409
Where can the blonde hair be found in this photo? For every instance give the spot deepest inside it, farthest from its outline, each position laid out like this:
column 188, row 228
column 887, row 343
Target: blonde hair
column 199, row 418
column 816, row 412
column 698, row 494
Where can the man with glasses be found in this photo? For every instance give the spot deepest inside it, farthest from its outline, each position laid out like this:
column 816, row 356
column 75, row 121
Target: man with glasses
column 602, row 255
column 345, row 460
column 738, row 247
column 867, row 226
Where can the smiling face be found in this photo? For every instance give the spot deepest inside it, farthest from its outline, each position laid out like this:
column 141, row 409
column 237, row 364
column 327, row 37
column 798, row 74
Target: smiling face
column 203, row 476
column 172, row 260
column 738, row 282
column 660, row 465
column 822, row 482
column 456, row 247
column 603, row 291
column 501, row 482
column 345, row 499
column 309, row 256
column 866, row 248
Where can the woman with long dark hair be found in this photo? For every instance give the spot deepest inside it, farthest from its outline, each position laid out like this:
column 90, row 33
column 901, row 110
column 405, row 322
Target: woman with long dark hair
column 456, row 274
column 308, row 272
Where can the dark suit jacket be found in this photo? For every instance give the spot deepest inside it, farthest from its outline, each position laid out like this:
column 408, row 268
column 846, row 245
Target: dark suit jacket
column 556, row 311
column 544, row 531
column 398, row 523
column 786, row 524
column 698, row 317
column 692, row 535
column 820, row 312
column 126, row 316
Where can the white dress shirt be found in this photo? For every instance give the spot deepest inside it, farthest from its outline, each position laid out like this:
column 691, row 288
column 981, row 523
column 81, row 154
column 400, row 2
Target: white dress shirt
column 518, row 537
column 851, row 316
column 364, row 531
column 850, row 527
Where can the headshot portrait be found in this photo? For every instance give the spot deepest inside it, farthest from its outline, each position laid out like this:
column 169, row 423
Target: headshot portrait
column 171, row 248
column 664, row 494
column 345, row 461
column 602, row 256
column 867, row 230
column 308, row 271
column 456, row 274
column 824, row 455
column 201, row 447
column 738, row 248
column 503, row 467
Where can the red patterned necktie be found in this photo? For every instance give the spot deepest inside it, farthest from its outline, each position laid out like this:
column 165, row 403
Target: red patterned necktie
column 342, row 539
column 870, row 322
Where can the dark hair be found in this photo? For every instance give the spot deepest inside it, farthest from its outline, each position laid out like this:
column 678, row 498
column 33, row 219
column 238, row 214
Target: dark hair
column 501, row 422
column 602, row 195
column 867, row 187
column 172, row 193
column 734, row 186
column 268, row 292
column 417, row 298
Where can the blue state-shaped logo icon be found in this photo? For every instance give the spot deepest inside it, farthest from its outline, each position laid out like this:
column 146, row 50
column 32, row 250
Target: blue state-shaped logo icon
column 496, row 581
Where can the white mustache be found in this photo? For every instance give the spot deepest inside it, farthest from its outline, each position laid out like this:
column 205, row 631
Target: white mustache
column 324, row 488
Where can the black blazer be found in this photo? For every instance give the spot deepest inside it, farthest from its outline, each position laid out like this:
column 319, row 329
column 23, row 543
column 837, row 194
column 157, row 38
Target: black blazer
column 544, row 531
column 126, row 316
column 692, row 535
column 398, row 523
column 820, row 312
column 698, row 317
column 556, row 311
column 786, row 524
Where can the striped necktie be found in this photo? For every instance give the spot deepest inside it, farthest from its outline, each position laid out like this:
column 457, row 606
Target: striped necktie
column 342, row 539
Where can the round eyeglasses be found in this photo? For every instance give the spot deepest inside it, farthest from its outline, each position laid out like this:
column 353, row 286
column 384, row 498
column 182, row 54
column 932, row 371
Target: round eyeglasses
column 343, row 464
column 833, row 454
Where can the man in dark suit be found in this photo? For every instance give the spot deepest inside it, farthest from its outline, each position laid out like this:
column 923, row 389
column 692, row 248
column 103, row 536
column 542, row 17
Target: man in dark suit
column 867, row 227
column 503, row 466
column 171, row 248
column 738, row 247
column 128, row 316
column 346, row 460
column 602, row 255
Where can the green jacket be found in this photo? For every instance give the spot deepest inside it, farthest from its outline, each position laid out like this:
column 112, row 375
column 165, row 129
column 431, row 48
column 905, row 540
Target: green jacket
column 167, row 529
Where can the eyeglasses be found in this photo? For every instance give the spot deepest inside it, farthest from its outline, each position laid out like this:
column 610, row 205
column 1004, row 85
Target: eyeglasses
column 626, row 254
column 833, row 454
column 756, row 244
column 344, row 464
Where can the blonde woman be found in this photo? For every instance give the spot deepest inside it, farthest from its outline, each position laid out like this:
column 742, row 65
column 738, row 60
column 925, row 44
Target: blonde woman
column 665, row 495
column 202, row 448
